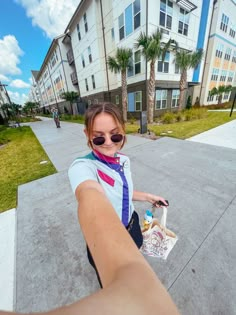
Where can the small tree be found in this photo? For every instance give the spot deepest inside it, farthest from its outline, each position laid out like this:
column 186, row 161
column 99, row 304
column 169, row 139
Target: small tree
column 30, row 107
column 186, row 60
column 152, row 49
column 70, row 97
column 219, row 91
column 120, row 63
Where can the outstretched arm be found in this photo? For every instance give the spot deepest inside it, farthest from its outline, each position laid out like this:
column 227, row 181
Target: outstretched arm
column 143, row 196
column 129, row 284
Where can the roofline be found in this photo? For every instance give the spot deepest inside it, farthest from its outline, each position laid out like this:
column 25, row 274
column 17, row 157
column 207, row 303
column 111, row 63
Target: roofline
column 54, row 41
column 73, row 16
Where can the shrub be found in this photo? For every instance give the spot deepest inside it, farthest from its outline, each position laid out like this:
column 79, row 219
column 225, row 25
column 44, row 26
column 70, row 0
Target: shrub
column 189, row 102
column 179, row 117
column 132, row 120
column 168, row 118
column 188, row 115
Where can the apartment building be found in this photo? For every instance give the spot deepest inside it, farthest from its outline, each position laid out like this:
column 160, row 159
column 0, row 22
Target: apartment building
column 99, row 27
column 4, row 99
column 220, row 63
column 55, row 77
column 34, row 94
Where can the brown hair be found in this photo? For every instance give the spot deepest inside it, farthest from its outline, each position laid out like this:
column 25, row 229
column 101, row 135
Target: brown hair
column 99, row 108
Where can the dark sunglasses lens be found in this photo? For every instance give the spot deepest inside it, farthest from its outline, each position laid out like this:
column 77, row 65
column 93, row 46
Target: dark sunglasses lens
column 99, row 140
column 117, row 138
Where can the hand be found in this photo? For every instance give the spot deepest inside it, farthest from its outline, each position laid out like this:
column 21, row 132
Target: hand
column 157, row 201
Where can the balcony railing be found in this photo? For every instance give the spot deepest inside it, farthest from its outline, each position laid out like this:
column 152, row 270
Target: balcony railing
column 74, row 78
column 70, row 56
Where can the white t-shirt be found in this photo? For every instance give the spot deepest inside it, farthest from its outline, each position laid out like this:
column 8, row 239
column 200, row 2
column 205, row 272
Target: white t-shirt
column 113, row 173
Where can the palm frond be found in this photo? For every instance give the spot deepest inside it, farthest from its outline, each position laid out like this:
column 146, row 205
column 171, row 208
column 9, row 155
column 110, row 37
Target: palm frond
column 113, row 65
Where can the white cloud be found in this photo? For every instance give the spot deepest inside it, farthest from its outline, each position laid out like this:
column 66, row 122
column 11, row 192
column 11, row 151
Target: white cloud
column 52, row 16
column 19, row 84
column 3, row 78
column 18, row 98
column 9, row 55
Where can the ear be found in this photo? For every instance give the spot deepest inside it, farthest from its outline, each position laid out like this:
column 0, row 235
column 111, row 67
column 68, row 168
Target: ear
column 86, row 132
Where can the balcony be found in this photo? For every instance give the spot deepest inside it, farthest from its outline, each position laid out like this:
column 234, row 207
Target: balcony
column 74, row 78
column 70, row 56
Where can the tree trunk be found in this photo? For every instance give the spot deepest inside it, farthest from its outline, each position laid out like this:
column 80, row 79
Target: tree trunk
column 124, row 94
column 182, row 84
column 219, row 99
column 71, row 108
column 151, row 93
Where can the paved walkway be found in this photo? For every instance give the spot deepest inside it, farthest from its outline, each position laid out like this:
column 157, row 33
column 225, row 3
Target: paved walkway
column 51, row 268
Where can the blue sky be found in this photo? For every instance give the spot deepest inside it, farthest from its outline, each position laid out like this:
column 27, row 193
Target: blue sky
column 27, row 28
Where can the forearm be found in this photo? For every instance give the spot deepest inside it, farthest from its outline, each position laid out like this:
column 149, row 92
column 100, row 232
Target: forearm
column 140, row 196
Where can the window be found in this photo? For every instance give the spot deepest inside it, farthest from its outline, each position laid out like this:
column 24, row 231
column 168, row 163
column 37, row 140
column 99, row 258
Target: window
column 223, row 75
column 177, row 69
column 121, row 26
column 83, row 61
column 78, row 31
column 136, row 9
column 166, row 11
column 161, row 99
column 93, row 82
column 85, row 23
column 224, row 23
column 137, row 62
column 86, row 84
column 210, row 97
column 90, row 54
column 128, row 20
column 135, row 101
column 112, row 33
column 226, row 95
column 138, row 101
column 228, row 54
column 130, row 70
column 215, row 73
column 183, row 22
column 232, row 31
column 230, row 76
column 175, row 98
column 117, row 100
column 234, row 57
column 219, row 50
column 163, row 66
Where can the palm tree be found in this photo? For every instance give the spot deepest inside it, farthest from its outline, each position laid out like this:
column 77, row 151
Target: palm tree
column 120, row 63
column 70, row 97
column 219, row 91
column 186, row 60
column 31, row 107
column 153, row 48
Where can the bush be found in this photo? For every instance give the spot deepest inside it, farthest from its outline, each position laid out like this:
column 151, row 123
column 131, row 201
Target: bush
column 189, row 102
column 188, row 115
column 132, row 120
column 179, row 117
column 168, row 118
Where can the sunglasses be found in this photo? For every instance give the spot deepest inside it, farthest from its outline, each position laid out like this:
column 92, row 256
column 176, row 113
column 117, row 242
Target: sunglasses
column 114, row 138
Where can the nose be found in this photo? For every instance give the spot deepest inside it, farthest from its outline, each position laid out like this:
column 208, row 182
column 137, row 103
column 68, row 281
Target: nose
column 108, row 140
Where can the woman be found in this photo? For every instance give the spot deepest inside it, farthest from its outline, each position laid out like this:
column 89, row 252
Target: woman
column 107, row 170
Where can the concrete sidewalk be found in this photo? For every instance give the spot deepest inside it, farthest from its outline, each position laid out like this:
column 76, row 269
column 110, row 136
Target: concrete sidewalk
column 197, row 179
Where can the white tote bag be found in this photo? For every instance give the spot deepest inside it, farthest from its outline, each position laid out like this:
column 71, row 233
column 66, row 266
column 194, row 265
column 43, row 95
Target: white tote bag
column 158, row 241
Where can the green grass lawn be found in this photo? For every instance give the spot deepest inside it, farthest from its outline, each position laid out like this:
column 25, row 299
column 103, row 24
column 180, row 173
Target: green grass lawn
column 186, row 129
column 20, row 159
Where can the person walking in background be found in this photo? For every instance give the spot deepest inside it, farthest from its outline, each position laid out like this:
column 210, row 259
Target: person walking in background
column 108, row 171
column 56, row 117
